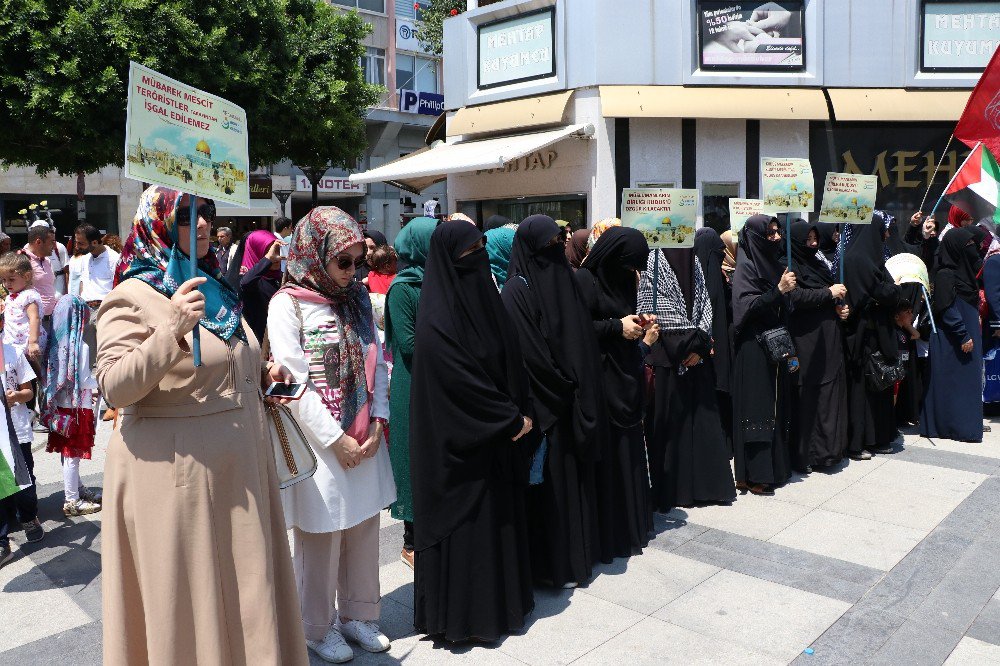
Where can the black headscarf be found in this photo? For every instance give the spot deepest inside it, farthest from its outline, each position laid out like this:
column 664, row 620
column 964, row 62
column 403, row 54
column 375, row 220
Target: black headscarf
column 710, row 250
column 557, row 338
column 495, row 222
column 682, row 260
column 758, row 269
column 827, row 244
column 469, row 389
column 608, row 283
column 377, row 236
column 958, row 265
column 810, row 272
column 864, row 264
column 894, row 243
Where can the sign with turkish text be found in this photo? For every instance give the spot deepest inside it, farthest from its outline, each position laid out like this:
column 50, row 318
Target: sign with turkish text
column 666, row 217
column 787, row 185
column 959, row 36
column 764, row 36
column 741, row 210
column 260, row 186
column 331, row 185
column 185, row 139
column 848, row 198
column 428, row 104
column 516, row 49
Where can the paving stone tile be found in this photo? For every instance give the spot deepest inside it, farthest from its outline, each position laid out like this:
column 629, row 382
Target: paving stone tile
column 390, row 543
column 986, row 627
column 921, row 509
column 853, row 639
column 731, row 606
column 750, row 515
column 673, row 531
column 970, row 652
column 917, row 643
column 849, row 538
column 80, row 646
column 566, row 625
column 396, row 582
column 647, row 583
column 988, row 448
column 653, row 641
column 932, row 479
column 818, row 487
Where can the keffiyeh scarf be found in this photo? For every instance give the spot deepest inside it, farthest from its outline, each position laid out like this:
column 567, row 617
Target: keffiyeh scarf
column 669, row 305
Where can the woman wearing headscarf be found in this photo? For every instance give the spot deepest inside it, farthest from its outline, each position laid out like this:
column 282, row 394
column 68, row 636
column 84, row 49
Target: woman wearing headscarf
column 498, row 246
column 373, row 239
column 688, row 455
column 729, row 260
column 820, row 404
column 600, row 228
column 761, row 388
column 711, row 252
column 194, row 557
column 562, row 360
column 829, row 236
column 255, row 273
column 608, row 281
column 496, row 222
column 471, row 443
column 956, row 355
column 413, row 244
column 990, row 276
column 872, row 297
column 321, row 327
column 576, row 248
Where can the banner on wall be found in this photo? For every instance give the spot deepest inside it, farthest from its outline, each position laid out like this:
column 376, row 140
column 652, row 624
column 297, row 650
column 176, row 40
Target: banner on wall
column 741, row 210
column 787, row 185
column 848, row 198
column 763, row 36
column 185, row 139
column 665, row 216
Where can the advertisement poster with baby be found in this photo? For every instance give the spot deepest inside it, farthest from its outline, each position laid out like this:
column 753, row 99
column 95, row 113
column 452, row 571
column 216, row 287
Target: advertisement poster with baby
column 752, row 35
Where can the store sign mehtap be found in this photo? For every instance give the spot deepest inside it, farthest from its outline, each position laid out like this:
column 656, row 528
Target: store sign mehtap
column 429, row 104
column 517, row 49
column 331, row 185
column 959, row 36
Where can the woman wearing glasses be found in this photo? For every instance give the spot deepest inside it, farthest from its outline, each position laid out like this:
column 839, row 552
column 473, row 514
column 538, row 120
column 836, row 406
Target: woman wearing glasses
column 196, row 566
column 321, row 328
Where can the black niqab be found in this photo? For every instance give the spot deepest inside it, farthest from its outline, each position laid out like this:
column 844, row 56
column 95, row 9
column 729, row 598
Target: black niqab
column 495, row 222
column 681, row 260
column 469, row 389
column 557, row 338
column 864, row 265
column 710, row 250
column 810, row 271
column 827, row 242
column 758, row 269
column 958, row 265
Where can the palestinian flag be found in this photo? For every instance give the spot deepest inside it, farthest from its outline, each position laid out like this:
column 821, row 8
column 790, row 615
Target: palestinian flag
column 976, row 187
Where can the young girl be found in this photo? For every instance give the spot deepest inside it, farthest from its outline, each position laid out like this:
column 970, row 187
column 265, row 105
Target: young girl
column 22, row 308
column 70, row 389
column 321, row 328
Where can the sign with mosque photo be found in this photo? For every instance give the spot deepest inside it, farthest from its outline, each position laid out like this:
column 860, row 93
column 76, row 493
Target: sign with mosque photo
column 667, row 217
column 186, row 139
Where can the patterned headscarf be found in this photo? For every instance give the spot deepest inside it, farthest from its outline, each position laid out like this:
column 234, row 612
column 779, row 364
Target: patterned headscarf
column 69, row 319
column 320, row 236
column 600, row 228
column 153, row 255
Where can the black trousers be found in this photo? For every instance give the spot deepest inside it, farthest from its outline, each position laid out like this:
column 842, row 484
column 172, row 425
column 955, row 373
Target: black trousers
column 22, row 506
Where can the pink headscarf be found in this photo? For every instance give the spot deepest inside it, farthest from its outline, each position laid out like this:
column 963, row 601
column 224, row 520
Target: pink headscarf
column 255, row 247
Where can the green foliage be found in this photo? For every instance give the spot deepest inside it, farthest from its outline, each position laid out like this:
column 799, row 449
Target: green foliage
column 431, row 31
column 292, row 64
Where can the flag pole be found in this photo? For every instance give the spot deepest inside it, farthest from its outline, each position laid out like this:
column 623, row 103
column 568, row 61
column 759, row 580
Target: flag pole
column 941, row 198
column 192, row 254
column 930, row 183
column 840, row 252
column 788, row 241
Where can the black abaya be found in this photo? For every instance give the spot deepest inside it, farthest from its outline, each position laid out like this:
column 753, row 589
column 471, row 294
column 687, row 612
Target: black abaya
column 469, row 394
column 562, row 360
column 710, row 250
column 607, row 282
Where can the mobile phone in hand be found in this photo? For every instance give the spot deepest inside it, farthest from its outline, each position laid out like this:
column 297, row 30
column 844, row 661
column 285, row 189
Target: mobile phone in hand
column 285, row 391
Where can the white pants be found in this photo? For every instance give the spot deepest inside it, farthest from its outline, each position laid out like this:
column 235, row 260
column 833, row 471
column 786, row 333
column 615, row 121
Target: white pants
column 71, row 478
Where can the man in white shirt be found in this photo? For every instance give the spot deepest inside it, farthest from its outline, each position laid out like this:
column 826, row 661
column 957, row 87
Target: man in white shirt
column 97, row 279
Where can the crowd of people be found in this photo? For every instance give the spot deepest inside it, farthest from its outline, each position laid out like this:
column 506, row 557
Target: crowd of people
column 523, row 396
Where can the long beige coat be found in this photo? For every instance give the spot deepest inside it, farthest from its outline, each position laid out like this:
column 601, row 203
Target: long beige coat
column 195, row 559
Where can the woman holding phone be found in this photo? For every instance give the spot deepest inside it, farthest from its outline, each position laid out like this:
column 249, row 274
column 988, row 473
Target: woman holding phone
column 322, row 329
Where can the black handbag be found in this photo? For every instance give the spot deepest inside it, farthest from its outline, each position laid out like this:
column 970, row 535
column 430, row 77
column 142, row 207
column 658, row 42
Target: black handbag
column 880, row 374
column 777, row 344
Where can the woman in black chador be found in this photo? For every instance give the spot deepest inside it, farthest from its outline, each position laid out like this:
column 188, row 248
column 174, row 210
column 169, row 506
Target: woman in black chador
column 608, row 280
column 688, row 455
column 563, row 363
column 470, row 449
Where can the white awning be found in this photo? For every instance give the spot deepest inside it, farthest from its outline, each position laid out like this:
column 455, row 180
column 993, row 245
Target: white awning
column 459, row 157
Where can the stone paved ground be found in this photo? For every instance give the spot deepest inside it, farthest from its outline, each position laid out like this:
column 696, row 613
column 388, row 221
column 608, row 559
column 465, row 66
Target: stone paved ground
column 893, row 561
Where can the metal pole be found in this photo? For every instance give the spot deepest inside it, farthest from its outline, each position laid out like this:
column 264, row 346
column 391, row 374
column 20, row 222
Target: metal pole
column 193, row 256
column 930, row 183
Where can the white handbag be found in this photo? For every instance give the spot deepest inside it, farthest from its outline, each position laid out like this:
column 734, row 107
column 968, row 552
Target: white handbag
column 293, row 457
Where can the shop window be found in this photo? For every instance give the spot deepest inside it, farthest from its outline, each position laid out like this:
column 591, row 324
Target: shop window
column 408, row 9
column 377, row 6
column 416, row 73
column 572, row 208
column 715, row 204
column 958, row 36
column 373, row 66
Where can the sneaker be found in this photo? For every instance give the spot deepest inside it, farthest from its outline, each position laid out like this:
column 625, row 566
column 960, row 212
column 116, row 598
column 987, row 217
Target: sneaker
column 80, row 507
column 864, row 455
column 366, row 634
column 6, row 555
column 407, row 557
column 333, row 648
column 33, row 531
column 40, row 428
column 91, row 495
column 882, row 450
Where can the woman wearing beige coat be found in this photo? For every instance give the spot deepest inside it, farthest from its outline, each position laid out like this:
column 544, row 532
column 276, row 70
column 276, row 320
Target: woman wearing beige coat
column 196, row 568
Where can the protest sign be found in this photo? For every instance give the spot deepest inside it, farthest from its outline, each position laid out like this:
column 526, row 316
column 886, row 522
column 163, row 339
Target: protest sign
column 665, row 216
column 741, row 210
column 787, row 185
column 185, row 139
column 848, row 198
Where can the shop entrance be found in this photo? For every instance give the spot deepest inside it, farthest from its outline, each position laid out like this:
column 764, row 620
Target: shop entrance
column 570, row 207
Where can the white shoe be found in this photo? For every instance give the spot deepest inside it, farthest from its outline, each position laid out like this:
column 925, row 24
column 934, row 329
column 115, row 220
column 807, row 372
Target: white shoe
column 366, row 634
column 80, row 508
column 333, row 648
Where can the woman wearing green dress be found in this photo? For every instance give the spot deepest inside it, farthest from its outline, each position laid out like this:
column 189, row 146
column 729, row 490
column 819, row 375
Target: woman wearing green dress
column 412, row 245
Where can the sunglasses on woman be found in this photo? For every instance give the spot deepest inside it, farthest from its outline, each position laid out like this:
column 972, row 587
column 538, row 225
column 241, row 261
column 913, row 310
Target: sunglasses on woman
column 183, row 214
column 345, row 261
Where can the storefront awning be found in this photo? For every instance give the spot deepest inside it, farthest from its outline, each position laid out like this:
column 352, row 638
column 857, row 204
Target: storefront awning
column 517, row 114
column 443, row 158
column 895, row 104
column 707, row 102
